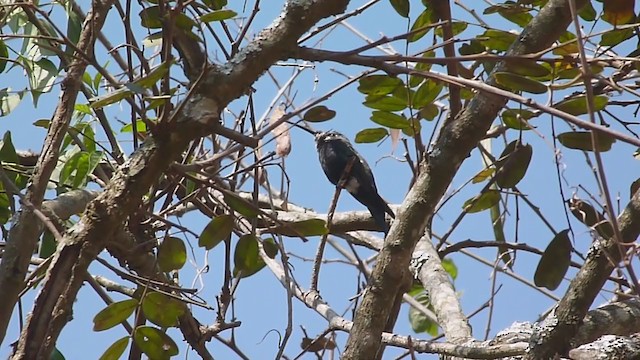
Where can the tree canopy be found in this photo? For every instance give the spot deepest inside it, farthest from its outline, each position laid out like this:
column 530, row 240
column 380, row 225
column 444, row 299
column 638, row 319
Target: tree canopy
column 160, row 183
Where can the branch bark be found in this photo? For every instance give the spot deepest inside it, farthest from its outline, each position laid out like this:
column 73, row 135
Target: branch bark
column 198, row 115
column 557, row 333
column 454, row 144
column 26, row 229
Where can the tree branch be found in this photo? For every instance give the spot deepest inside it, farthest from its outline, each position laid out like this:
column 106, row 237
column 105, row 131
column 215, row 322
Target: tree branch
column 198, row 115
column 454, row 144
column 25, row 231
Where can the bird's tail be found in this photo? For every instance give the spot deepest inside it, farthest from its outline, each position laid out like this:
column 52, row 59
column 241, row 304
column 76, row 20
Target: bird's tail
column 377, row 212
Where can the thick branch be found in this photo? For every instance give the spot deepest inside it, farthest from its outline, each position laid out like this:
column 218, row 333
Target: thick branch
column 556, row 335
column 453, row 146
column 197, row 116
column 25, row 231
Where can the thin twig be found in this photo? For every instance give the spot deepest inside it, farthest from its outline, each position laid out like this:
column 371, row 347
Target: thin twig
column 318, row 259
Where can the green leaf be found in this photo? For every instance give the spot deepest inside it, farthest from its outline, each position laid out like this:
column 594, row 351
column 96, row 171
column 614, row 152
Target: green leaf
column 216, row 4
column 48, row 245
column 371, row 135
column 517, row 119
column 385, row 103
column 426, row 94
column 513, row 164
column 421, row 26
column 246, row 257
column 517, row 82
column 172, row 254
column 319, row 114
column 150, row 17
column 616, row 36
column 5, row 205
column 9, row 100
column 4, row 55
column 144, row 82
column 457, row 27
column 482, row 202
column 378, row 84
column 578, row 104
column 429, row 112
column 154, row 343
column 310, row 227
column 218, row 15
column 218, row 229
column 8, row 154
column 401, row 7
column 527, row 67
column 141, row 127
column 56, row 355
column 115, row 351
column 390, row 120
column 450, row 267
column 581, row 140
column 497, row 40
column 498, row 232
column 555, row 262
column 69, row 167
column 114, row 314
column 240, row 205
column 483, row 175
column 420, row 323
column 162, row 310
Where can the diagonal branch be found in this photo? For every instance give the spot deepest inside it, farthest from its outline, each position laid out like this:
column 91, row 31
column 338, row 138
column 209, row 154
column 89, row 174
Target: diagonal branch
column 199, row 115
column 25, row 231
column 557, row 332
column 454, row 144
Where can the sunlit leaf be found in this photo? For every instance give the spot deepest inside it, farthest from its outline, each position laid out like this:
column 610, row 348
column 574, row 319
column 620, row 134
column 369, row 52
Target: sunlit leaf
column 115, row 351
column 144, row 82
column 218, row 15
column 154, row 342
column 172, row 254
column 421, row 26
column 385, row 103
column 310, row 227
column 516, row 82
column 390, row 120
column 482, row 202
column 420, row 323
column 378, row 84
column 517, row 119
column 246, row 257
column 114, row 314
column 497, row 39
column 240, row 205
column 162, row 309
column 218, row 229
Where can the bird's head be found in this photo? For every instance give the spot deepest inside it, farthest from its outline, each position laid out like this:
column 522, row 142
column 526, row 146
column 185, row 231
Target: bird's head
column 327, row 136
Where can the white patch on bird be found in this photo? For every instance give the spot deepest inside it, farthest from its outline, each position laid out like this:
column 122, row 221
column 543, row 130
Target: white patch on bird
column 352, row 185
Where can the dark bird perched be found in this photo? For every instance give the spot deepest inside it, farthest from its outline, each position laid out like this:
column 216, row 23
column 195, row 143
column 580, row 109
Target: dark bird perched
column 335, row 153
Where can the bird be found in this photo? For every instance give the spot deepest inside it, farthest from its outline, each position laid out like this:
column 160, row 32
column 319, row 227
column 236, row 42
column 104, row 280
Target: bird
column 335, row 153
